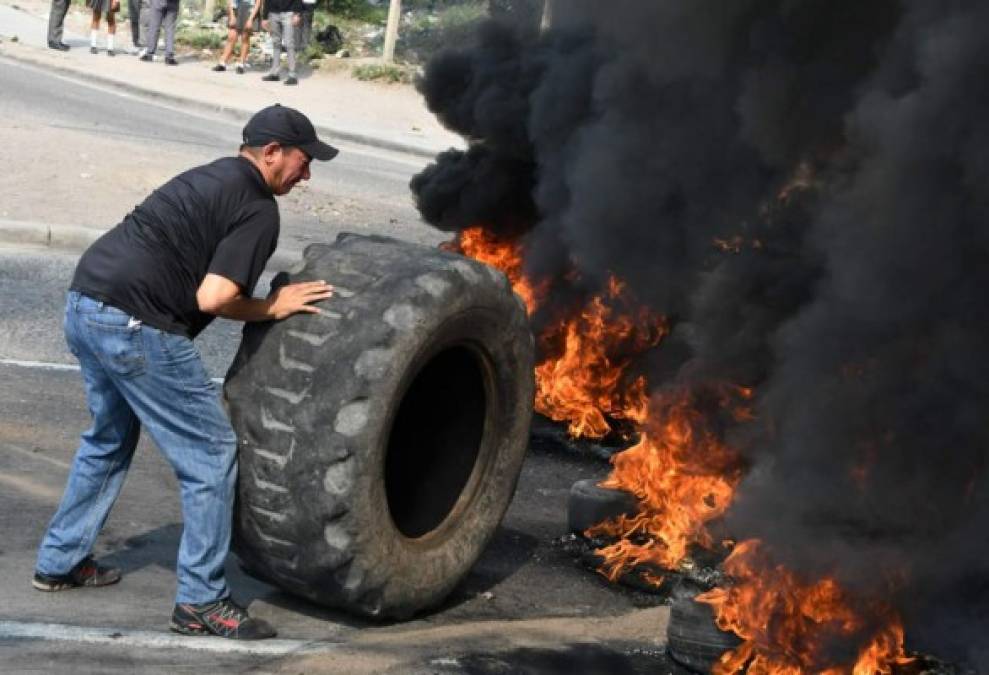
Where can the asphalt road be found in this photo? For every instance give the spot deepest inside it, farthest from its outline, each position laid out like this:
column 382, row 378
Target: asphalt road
column 83, row 154
column 528, row 605
column 528, row 591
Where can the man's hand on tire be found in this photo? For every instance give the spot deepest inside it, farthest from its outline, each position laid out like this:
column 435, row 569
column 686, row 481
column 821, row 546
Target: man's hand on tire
column 294, row 298
column 221, row 296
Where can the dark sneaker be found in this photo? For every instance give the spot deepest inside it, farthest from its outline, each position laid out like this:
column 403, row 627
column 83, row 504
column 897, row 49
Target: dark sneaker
column 240, row 70
column 222, row 618
column 270, row 77
column 86, row 573
column 147, row 57
column 110, row 52
column 170, row 61
column 94, row 50
column 291, row 81
column 60, row 46
column 219, row 68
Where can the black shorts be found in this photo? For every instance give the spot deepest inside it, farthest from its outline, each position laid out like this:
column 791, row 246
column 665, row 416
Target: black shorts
column 240, row 18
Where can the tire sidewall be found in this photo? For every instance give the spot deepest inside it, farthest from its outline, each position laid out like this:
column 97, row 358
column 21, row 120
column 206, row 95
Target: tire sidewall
column 430, row 566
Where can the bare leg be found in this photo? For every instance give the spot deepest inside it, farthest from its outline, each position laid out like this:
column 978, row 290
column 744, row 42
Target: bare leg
column 111, row 29
column 229, row 47
column 94, row 28
column 245, row 45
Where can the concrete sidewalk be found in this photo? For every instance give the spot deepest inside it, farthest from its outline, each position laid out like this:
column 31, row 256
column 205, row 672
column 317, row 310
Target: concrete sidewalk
column 390, row 116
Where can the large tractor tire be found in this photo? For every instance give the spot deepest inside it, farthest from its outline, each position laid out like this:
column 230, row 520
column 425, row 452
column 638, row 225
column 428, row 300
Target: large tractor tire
column 381, row 440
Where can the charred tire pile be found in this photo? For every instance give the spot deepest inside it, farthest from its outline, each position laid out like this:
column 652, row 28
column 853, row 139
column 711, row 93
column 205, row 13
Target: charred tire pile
column 381, row 440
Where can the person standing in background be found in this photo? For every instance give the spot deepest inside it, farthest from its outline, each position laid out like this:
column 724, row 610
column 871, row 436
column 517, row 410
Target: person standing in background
column 280, row 18
column 242, row 16
column 144, row 18
column 166, row 11
column 101, row 8
column 304, row 34
column 134, row 16
column 56, row 19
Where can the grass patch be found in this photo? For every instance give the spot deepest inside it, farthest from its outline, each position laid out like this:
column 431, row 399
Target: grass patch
column 353, row 31
column 200, row 38
column 427, row 27
column 314, row 52
column 384, row 72
column 358, row 10
column 431, row 33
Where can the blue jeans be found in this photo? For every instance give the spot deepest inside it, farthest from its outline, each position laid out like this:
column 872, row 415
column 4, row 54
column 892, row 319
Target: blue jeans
column 135, row 375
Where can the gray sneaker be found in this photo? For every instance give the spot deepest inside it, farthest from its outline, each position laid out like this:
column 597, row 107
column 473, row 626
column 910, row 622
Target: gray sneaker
column 222, row 618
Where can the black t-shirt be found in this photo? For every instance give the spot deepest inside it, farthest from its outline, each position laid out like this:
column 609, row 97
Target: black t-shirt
column 273, row 6
column 220, row 218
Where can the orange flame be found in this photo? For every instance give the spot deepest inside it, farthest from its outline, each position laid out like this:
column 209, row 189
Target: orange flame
column 503, row 255
column 586, row 381
column 683, row 475
column 582, row 378
column 788, row 626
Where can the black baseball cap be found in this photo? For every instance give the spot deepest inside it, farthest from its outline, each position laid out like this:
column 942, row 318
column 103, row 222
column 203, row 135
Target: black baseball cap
column 288, row 127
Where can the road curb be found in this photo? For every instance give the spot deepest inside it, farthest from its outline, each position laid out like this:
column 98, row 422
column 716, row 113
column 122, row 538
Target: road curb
column 71, row 237
column 237, row 114
column 77, row 238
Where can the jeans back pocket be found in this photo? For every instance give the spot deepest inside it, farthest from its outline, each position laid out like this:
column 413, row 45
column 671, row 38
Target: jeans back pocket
column 117, row 340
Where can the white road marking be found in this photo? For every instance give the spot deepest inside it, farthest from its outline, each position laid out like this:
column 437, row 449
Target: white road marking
column 45, row 365
column 39, row 364
column 156, row 640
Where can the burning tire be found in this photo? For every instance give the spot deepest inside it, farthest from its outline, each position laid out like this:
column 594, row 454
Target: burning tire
column 590, row 504
column 692, row 638
column 381, row 440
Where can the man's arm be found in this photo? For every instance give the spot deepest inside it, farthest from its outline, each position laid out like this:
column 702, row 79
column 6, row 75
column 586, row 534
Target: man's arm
column 220, row 296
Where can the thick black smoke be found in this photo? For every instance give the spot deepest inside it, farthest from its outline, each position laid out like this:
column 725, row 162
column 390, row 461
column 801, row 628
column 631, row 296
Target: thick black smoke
column 804, row 186
column 881, row 391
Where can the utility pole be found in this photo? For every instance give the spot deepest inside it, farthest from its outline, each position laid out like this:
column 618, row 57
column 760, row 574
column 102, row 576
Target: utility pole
column 391, row 30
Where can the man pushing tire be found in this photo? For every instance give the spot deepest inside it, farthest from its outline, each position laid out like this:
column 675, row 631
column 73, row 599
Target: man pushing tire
column 192, row 251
